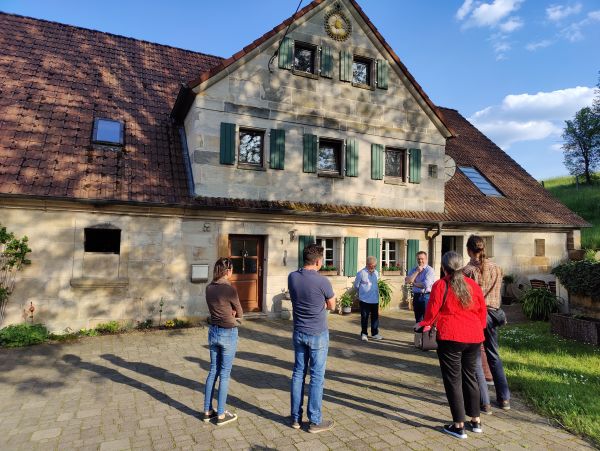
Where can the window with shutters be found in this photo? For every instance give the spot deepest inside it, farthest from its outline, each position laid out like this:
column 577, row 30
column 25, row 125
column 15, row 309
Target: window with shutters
column 330, row 252
column 305, row 59
column 362, row 69
column 391, row 254
column 540, row 247
column 251, row 148
column 330, row 157
column 395, row 164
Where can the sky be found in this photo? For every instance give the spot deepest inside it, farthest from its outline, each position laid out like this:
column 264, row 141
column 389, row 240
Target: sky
column 517, row 69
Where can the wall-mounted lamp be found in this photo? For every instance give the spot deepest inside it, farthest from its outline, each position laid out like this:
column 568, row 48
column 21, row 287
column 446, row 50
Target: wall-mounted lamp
column 293, row 234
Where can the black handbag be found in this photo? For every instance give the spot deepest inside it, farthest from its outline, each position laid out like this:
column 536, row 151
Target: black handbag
column 497, row 316
column 427, row 340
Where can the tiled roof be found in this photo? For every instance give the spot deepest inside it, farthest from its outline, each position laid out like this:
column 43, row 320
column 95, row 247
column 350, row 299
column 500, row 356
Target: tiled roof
column 54, row 79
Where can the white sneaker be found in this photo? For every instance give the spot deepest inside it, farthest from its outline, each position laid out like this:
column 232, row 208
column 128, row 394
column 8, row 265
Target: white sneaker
column 377, row 337
column 363, row 337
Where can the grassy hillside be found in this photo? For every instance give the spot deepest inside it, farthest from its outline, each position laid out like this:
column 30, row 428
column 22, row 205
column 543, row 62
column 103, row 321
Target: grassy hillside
column 584, row 201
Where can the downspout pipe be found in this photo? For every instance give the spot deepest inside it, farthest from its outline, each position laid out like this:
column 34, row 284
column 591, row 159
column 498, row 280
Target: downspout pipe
column 431, row 239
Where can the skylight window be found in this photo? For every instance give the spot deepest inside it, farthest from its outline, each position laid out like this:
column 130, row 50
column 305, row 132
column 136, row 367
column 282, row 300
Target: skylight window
column 480, row 181
column 107, row 131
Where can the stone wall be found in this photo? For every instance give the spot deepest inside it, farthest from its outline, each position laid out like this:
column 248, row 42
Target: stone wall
column 251, row 95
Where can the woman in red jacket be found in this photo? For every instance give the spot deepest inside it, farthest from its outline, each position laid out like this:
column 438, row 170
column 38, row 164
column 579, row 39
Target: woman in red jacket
column 460, row 321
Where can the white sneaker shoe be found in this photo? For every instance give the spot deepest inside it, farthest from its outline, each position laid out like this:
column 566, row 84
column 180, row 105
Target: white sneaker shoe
column 377, row 337
column 363, row 337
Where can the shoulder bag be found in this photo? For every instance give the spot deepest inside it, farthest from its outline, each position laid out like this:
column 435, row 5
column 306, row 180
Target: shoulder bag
column 427, row 340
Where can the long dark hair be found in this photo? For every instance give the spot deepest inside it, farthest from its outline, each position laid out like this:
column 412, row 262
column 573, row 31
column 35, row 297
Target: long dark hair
column 476, row 245
column 452, row 264
column 221, row 267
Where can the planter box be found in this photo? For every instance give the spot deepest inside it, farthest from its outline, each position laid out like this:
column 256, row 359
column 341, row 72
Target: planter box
column 328, row 273
column 392, row 273
column 585, row 330
column 584, row 305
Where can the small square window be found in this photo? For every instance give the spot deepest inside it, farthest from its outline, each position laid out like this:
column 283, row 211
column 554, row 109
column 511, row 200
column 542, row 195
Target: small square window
column 251, row 147
column 106, row 241
column 540, row 247
column 433, row 171
column 330, row 157
column 329, row 251
column 394, row 163
column 361, row 71
column 108, row 131
column 305, row 58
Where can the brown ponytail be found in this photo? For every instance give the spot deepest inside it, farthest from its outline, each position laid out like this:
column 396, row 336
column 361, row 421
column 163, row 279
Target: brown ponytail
column 476, row 245
column 221, row 267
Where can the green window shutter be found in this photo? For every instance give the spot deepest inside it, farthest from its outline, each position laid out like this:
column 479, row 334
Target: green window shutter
column 303, row 241
column 382, row 74
column 377, row 155
column 374, row 249
column 227, row 147
column 310, row 153
column 350, row 256
column 351, row 157
column 277, row 149
column 286, row 53
column 411, row 254
column 346, row 65
column 326, row 62
column 414, row 166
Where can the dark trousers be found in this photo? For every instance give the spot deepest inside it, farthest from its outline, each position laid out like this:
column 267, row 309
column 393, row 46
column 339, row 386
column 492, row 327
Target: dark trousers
column 458, row 362
column 365, row 310
column 493, row 357
column 420, row 301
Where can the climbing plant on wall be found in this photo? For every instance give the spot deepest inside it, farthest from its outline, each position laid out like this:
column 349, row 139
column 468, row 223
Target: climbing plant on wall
column 13, row 256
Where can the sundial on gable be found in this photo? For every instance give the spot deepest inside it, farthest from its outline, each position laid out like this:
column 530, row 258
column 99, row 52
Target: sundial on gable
column 337, row 24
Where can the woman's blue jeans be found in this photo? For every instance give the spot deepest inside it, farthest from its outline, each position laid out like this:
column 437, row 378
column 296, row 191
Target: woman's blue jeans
column 223, row 345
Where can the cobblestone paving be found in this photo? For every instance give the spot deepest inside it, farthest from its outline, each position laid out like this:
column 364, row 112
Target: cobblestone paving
column 144, row 391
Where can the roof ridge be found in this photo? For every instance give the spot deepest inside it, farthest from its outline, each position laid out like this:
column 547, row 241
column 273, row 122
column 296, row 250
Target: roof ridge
column 77, row 27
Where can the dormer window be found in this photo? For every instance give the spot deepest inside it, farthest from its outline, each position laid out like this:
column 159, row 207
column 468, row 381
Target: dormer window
column 108, row 132
column 480, row 181
column 305, row 58
column 361, row 71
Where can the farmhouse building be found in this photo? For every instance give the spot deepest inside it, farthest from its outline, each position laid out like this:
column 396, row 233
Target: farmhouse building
column 133, row 166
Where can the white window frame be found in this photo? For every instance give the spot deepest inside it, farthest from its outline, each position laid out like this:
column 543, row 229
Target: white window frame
column 321, row 241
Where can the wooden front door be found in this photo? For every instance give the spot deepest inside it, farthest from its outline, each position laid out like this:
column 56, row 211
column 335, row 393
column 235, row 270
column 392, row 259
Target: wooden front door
column 246, row 253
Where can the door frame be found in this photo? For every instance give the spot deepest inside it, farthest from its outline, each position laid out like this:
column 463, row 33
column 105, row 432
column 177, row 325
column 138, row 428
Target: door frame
column 260, row 254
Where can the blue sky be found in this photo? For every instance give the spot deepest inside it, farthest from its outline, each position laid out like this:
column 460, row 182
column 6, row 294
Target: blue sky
column 516, row 68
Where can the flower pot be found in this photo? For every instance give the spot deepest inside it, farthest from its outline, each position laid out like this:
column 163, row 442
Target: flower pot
column 346, row 310
column 392, row 273
column 328, row 273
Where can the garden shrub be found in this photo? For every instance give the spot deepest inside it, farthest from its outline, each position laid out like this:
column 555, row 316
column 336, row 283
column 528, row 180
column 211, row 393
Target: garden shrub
column 17, row 335
column 539, row 303
column 112, row 327
column 582, row 278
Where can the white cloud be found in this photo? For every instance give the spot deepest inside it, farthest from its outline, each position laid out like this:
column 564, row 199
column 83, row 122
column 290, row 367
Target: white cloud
column 556, row 147
column 556, row 13
column 512, row 24
column 574, row 33
column 533, row 46
column 486, row 14
column 530, row 117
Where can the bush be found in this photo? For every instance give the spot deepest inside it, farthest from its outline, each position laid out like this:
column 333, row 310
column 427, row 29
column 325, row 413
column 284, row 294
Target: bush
column 581, row 278
column 144, row 325
column 176, row 323
column 538, row 303
column 23, row 335
column 385, row 293
column 112, row 327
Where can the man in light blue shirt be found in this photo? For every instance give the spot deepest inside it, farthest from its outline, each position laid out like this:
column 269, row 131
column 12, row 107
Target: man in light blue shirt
column 368, row 296
column 421, row 277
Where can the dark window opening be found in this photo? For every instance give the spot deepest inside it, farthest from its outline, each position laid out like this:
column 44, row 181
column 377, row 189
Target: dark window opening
column 107, row 131
column 330, row 156
column 394, row 163
column 361, row 71
column 106, row 241
column 433, row 171
column 304, row 58
column 251, row 147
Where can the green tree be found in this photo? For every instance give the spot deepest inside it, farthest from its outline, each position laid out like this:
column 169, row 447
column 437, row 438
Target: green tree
column 582, row 143
column 13, row 256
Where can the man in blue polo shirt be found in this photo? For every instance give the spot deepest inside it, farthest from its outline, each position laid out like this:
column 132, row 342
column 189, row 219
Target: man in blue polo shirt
column 368, row 297
column 421, row 277
column 312, row 295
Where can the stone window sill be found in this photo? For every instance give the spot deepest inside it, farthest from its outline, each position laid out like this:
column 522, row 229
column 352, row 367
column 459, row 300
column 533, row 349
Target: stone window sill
column 394, row 181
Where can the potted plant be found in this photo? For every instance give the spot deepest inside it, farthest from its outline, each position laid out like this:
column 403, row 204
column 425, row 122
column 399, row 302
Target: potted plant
column 346, row 300
column 392, row 270
column 385, row 293
column 328, row 270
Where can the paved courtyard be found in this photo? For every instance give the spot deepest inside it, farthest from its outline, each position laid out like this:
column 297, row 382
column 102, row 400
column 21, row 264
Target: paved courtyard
column 144, row 391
